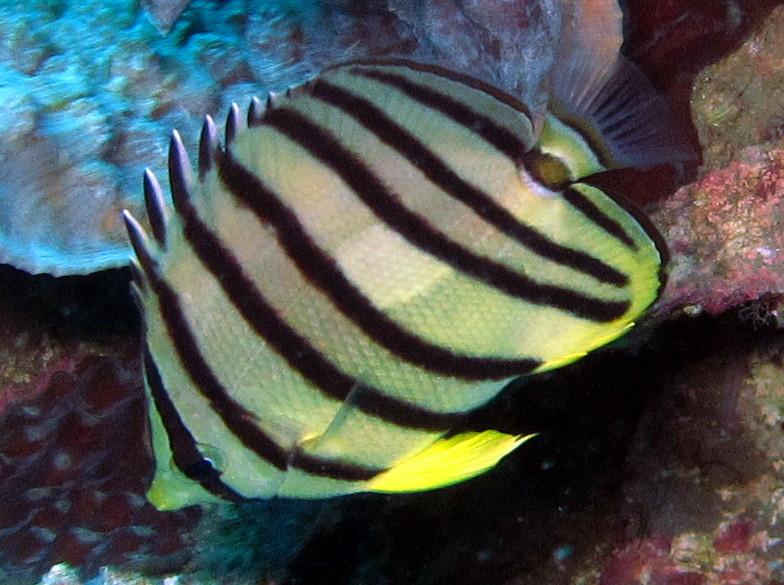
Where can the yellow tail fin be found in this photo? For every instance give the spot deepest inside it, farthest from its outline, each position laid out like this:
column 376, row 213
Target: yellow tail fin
column 447, row 461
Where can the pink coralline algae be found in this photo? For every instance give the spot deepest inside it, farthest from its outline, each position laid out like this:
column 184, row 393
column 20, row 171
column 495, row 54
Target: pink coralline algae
column 73, row 476
column 726, row 234
column 702, row 485
column 726, row 230
column 736, row 557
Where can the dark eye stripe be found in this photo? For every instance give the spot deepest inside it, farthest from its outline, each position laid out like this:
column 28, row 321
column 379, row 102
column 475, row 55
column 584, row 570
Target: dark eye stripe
column 419, row 155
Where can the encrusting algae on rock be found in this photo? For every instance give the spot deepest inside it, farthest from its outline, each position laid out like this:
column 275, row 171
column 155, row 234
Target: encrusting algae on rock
column 702, row 482
column 92, row 89
column 726, row 230
column 85, row 113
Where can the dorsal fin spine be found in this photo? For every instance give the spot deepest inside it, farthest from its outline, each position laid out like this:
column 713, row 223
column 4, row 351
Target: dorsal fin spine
column 233, row 124
column 255, row 112
column 156, row 207
column 209, row 147
column 139, row 242
column 179, row 171
column 273, row 99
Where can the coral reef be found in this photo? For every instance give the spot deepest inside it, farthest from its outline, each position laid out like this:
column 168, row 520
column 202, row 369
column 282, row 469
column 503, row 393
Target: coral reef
column 725, row 230
column 72, row 425
column 85, row 113
column 702, row 496
column 659, row 460
column 74, row 103
column 726, row 233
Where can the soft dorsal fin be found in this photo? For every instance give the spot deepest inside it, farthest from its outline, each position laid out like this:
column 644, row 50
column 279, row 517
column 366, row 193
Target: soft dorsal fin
column 447, row 461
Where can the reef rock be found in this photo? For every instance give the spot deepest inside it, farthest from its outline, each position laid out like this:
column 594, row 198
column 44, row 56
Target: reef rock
column 91, row 92
column 726, row 230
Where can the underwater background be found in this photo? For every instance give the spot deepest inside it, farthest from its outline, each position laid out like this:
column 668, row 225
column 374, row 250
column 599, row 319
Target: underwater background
column 659, row 459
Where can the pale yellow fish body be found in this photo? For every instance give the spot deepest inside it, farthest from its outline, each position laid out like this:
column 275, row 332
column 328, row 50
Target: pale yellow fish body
column 374, row 257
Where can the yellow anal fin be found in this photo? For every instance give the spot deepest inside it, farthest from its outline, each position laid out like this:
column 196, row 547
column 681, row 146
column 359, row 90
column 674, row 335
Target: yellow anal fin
column 447, row 461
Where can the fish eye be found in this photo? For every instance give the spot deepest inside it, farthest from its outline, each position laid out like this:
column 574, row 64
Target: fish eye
column 211, row 463
column 213, row 456
column 546, row 169
column 201, row 470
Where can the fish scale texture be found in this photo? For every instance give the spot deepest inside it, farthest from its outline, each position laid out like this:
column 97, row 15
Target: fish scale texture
column 74, row 470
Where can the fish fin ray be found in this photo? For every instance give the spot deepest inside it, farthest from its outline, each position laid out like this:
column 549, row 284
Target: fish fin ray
column 620, row 111
column 343, row 414
column 255, row 113
column 449, row 460
column 155, row 204
column 234, row 124
column 209, row 147
column 605, row 96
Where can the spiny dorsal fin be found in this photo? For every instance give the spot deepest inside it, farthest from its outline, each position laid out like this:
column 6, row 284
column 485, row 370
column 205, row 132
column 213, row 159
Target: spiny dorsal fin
column 273, row 99
column 255, row 112
column 179, row 171
column 234, row 124
column 156, row 207
column 209, row 147
column 139, row 242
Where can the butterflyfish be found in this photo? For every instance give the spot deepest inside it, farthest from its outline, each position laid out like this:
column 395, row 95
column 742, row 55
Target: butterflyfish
column 364, row 262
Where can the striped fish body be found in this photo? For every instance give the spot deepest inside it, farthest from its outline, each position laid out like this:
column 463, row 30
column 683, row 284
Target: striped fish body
column 374, row 256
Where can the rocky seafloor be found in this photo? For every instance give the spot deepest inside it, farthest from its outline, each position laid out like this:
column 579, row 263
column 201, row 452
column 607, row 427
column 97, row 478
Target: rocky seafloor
column 660, row 460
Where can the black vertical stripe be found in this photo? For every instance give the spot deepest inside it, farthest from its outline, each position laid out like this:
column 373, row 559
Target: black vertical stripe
column 194, row 465
column 324, row 273
column 185, row 453
column 237, row 419
column 469, row 82
column 585, row 206
column 331, row 468
column 435, row 169
column 483, row 126
column 300, row 355
column 385, row 204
